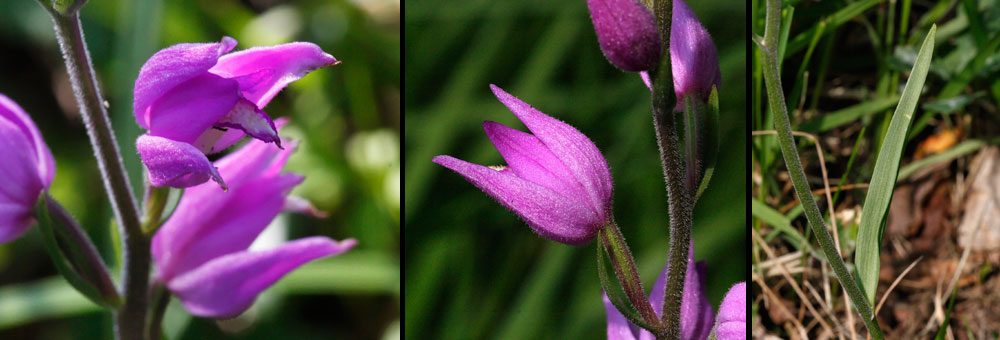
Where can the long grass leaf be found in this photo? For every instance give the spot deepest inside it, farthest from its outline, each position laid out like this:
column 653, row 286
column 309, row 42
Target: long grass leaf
column 876, row 205
column 848, row 115
column 838, row 18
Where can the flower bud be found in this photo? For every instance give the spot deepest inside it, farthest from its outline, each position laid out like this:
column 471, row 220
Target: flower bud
column 627, row 33
column 693, row 60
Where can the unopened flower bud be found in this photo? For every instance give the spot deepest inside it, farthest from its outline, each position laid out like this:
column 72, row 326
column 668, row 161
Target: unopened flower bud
column 627, row 33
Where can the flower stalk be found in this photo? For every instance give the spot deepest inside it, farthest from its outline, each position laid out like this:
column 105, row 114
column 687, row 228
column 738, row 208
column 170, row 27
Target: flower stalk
column 679, row 196
column 130, row 319
column 776, row 100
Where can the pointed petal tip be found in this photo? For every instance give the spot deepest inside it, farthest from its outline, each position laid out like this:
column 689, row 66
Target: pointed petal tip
column 443, row 160
column 346, row 244
column 498, row 92
column 218, row 179
column 330, row 60
column 228, row 41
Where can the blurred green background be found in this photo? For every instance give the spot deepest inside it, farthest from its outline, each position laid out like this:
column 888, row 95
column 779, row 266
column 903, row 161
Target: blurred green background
column 346, row 118
column 474, row 270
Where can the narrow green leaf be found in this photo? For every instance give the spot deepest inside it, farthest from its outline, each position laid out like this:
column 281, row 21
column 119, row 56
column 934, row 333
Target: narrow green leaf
column 780, row 223
column 785, row 28
column 876, row 205
column 831, row 23
column 956, row 151
column 848, row 115
column 947, row 317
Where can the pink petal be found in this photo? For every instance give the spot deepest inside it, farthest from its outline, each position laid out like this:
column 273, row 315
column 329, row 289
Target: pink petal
column 548, row 213
column 253, row 160
column 264, row 71
column 232, row 136
column 197, row 234
column 172, row 66
column 15, row 219
column 301, row 205
column 43, row 160
column 175, row 164
column 226, row 286
column 575, row 150
column 20, row 182
column 618, row 327
column 732, row 314
column 185, row 112
column 248, row 118
column 532, row 161
column 257, row 193
column 229, row 138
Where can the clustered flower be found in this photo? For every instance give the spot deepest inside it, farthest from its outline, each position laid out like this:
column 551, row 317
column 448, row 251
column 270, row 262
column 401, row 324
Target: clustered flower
column 194, row 100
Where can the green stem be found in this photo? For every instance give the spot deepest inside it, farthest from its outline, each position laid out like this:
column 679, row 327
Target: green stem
column 130, row 319
column 160, row 297
column 776, row 100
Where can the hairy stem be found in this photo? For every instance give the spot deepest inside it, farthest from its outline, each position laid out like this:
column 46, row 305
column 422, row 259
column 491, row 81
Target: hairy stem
column 776, row 100
column 130, row 319
column 674, row 172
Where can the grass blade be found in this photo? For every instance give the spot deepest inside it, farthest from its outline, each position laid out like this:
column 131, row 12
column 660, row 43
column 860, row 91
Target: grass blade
column 876, row 205
column 848, row 115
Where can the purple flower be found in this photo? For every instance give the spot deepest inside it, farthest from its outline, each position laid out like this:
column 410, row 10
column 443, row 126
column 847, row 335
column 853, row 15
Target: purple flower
column 626, row 31
column 201, row 251
column 26, row 169
column 697, row 316
column 693, row 61
column 195, row 99
column 556, row 179
column 733, row 314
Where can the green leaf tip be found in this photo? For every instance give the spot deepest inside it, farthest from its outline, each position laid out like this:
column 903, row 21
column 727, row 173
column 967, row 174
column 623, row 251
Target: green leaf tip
column 876, row 206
